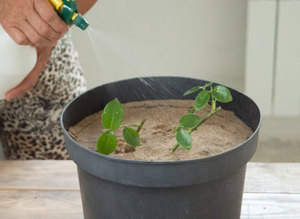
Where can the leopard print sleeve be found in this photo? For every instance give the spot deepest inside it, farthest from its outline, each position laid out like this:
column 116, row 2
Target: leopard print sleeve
column 29, row 125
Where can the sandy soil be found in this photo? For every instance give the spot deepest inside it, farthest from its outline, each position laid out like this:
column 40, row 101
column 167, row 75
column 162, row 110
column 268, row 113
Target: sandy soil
column 221, row 132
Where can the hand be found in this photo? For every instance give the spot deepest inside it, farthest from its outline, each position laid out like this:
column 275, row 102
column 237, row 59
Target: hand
column 43, row 55
column 31, row 22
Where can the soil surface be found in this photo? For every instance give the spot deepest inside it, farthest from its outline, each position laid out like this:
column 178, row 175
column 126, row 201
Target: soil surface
column 219, row 133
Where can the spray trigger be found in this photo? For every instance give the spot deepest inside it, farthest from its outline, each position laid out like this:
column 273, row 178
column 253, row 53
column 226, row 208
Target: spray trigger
column 67, row 10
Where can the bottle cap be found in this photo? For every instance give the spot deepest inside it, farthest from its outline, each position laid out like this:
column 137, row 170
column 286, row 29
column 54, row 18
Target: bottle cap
column 80, row 22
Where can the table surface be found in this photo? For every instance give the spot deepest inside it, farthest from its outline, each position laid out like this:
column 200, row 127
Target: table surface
column 50, row 190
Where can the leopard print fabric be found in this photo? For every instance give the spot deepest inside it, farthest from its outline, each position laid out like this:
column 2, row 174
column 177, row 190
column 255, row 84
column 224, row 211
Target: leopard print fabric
column 29, row 125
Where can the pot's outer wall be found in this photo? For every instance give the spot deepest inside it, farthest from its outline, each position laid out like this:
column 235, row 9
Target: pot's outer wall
column 112, row 188
column 157, row 174
column 212, row 200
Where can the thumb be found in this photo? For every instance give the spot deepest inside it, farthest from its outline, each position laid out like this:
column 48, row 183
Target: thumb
column 31, row 79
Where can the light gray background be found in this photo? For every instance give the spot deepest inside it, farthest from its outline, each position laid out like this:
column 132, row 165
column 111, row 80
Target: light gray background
column 194, row 38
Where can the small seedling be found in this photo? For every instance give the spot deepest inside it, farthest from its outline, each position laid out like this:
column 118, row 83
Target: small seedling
column 112, row 118
column 190, row 121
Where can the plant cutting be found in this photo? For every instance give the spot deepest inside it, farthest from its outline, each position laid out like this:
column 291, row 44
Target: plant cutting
column 112, row 118
column 118, row 187
column 190, row 122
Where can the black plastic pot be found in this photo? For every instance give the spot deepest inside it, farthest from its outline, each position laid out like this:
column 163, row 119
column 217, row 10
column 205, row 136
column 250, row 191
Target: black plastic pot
column 112, row 188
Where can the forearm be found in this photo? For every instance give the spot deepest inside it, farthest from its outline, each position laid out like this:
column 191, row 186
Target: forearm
column 85, row 5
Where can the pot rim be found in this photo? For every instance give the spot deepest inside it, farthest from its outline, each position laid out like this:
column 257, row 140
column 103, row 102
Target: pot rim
column 141, row 162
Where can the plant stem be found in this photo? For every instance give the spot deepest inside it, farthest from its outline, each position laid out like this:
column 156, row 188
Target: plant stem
column 213, row 104
column 192, row 110
column 141, row 125
column 175, row 147
column 213, row 100
column 212, row 112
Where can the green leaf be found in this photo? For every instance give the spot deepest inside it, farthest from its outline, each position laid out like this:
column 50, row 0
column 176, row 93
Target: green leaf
column 184, row 139
column 192, row 90
column 222, row 94
column 131, row 136
column 112, row 115
column 107, row 143
column 202, row 100
column 189, row 120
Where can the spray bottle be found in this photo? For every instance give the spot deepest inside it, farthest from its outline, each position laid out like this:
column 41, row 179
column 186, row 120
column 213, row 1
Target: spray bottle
column 17, row 61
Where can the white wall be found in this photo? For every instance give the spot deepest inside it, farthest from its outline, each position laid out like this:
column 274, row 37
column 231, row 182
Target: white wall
column 272, row 59
column 194, row 38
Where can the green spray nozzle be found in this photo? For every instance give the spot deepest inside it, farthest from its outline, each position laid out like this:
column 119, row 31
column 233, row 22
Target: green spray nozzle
column 67, row 10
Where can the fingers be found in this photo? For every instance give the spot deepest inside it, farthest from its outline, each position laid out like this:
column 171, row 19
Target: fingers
column 31, row 79
column 49, row 15
column 33, row 22
column 26, row 35
column 42, row 28
column 18, row 36
column 35, row 38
